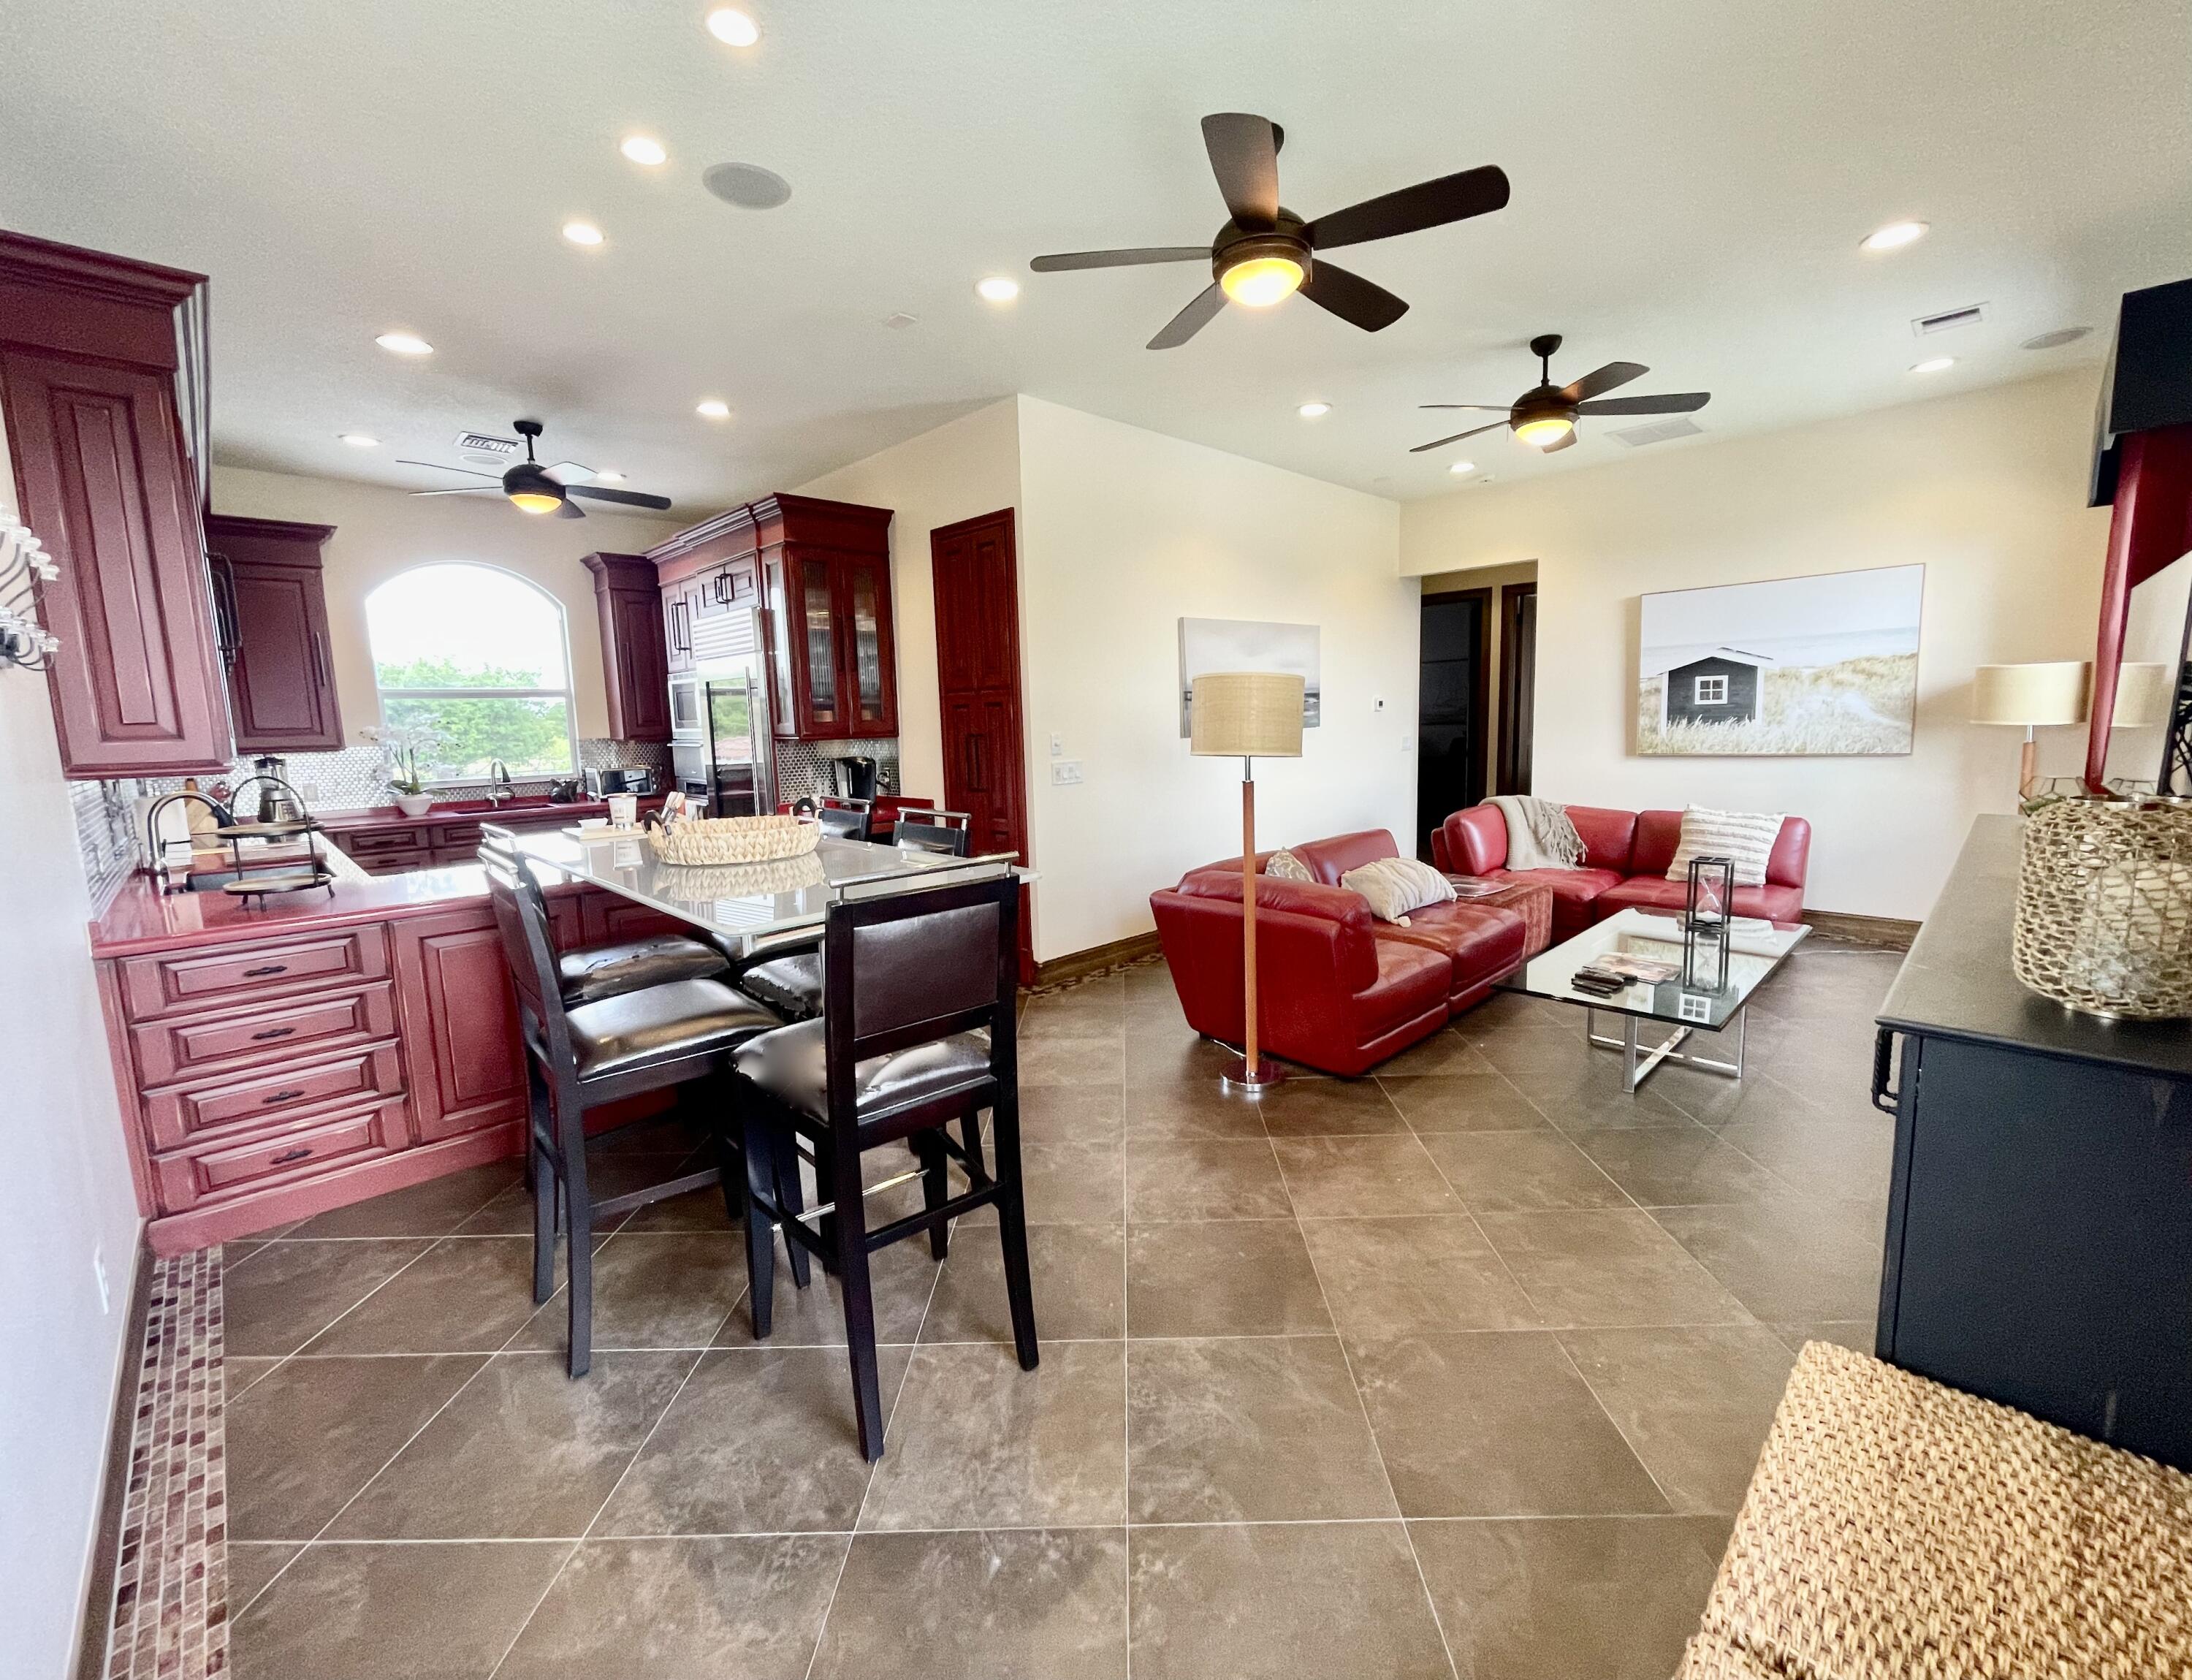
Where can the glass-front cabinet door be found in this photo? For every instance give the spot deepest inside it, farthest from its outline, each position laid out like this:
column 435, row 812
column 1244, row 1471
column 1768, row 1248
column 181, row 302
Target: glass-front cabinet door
column 832, row 672
column 817, row 624
column 864, row 606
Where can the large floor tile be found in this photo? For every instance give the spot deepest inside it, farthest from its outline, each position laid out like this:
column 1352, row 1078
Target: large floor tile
column 758, row 1442
column 1339, row 1601
column 1417, row 1274
column 1694, row 1404
column 393, row 1612
column 1607, row 1266
column 1311, row 1108
column 1495, row 1423
column 1679, row 1166
column 1080, row 1183
column 1471, row 1102
column 1077, row 1279
column 1793, row 1259
column 1072, row 1062
column 1195, row 1110
column 977, row 1441
column 251, row 1565
column 981, row 1606
column 609, row 1173
column 711, row 1609
column 1572, row 1598
column 655, row 1290
column 1843, row 1159
column 525, row 1452
column 433, row 1208
column 1446, row 1053
column 900, row 1280
column 1505, row 1172
column 1096, row 1010
column 1221, row 1277
column 1248, row 1429
column 278, row 1298
column 1071, row 1113
column 1354, row 1178
column 465, row 1295
column 1204, row 1181
column 310, row 1434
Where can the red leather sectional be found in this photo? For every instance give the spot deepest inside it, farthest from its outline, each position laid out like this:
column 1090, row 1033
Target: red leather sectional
column 1339, row 990
column 1626, row 859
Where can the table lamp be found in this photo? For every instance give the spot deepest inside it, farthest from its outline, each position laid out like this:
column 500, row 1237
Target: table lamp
column 1247, row 715
column 2033, row 697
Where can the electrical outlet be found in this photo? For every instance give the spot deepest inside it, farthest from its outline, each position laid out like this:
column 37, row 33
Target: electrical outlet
column 310, row 793
column 1377, row 705
column 1058, row 746
column 1066, row 773
column 99, row 1272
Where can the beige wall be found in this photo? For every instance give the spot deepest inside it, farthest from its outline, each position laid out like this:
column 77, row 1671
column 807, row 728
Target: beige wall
column 1987, row 490
column 380, row 532
column 65, row 1196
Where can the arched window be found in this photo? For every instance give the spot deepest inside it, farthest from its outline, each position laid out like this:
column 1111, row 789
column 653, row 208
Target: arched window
column 473, row 661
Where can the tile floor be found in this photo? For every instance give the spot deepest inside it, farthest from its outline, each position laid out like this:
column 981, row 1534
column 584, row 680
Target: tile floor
column 1460, row 1371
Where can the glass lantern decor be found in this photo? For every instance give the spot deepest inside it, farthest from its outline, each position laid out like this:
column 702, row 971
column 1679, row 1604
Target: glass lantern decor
column 1705, row 924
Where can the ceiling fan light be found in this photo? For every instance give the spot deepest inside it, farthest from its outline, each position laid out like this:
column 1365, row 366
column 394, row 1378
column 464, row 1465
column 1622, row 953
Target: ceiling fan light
column 1542, row 431
column 536, row 501
column 1261, row 282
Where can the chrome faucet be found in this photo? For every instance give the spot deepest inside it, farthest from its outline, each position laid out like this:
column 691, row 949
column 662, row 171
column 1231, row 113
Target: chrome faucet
column 497, row 782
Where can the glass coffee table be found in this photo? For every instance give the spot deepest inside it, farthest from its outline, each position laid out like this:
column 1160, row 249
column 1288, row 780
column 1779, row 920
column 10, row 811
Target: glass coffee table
column 1755, row 950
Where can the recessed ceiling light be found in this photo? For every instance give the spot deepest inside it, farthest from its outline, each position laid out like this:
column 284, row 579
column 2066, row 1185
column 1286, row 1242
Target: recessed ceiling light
column 1314, row 410
column 713, row 409
column 607, row 477
column 582, row 233
column 998, row 288
column 1894, row 237
column 644, row 149
column 1463, row 466
column 404, row 344
column 358, row 440
column 1934, row 364
column 733, row 27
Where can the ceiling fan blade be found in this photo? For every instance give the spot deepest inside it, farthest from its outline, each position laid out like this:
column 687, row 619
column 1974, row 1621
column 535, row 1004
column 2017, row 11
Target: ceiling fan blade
column 1244, row 156
column 1351, row 298
column 439, row 467
column 1130, row 259
column 464, row 490
column 1676, row 402
column 1489, row 407
column 1201, row 310
column 1440, row 444
column 625, row 498
column 1568, row 442
column 570, row 509
column 1604, row 379
column 570, row 472
column 1431, row 203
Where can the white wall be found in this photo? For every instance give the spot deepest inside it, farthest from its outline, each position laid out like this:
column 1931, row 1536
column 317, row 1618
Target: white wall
column 1987, row 490
column 380, row 532
column 64, row 1195
column 968, row 467
column 1123, row 533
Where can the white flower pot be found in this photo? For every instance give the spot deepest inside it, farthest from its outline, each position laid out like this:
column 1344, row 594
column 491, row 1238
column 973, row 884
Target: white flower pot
column 414, row 804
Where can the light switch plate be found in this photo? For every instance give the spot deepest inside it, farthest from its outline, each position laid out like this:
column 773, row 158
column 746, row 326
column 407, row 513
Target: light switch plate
column 1408, row 740
column 1066, row 773
column 1058, row 746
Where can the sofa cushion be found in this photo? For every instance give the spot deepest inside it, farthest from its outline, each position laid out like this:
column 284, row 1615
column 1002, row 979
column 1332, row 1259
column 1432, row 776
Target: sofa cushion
column 1576, row 892
column 1396, row 886
column 1657, row 834
column 1481, row 941
column 1471, row 841
column 1744, row 838
column 1656, row 892
column 1413, row 980
column 1329, row 860
column 1607, row 835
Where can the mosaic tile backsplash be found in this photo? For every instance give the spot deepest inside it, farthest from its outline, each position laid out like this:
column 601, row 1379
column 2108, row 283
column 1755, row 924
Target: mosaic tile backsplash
column 800, row 772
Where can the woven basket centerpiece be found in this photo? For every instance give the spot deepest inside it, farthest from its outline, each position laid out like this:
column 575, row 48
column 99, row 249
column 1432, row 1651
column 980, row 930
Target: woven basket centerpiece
column 698, row 881
column 721, row 840
column 2105, row 908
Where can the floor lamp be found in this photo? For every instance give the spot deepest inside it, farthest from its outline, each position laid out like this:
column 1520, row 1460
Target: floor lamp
column 2032, row 697
column 1247, row 715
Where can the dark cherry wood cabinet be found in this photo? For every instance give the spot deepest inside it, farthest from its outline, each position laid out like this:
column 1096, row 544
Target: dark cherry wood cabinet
column 271, row 616
column 460, row 1023
column 87, row 370
column 635, row 642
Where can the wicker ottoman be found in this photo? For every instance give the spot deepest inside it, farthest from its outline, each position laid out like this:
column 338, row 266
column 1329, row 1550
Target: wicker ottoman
column 1899, row 1529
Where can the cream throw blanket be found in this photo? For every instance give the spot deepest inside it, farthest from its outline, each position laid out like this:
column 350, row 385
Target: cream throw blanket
column 1540, row 835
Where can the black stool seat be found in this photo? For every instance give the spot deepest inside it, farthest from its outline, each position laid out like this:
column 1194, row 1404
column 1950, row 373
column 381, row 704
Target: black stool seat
column 683, row 1018
column 790, row 986
column 605, row 970
column 790, row 1065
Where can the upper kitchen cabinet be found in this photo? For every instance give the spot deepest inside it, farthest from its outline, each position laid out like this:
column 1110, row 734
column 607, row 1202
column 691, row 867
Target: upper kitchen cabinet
column 89, row 359
column 271, row 617
column 636, row 642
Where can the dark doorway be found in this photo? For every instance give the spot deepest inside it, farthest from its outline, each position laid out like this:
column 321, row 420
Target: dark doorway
column 978, row 671
column 1518, row 684
column 1452, row 707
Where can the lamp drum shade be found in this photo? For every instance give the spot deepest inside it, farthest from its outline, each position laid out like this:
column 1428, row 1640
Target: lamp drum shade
column 1247, row 714
column 2143, row 695
column 2029, row 695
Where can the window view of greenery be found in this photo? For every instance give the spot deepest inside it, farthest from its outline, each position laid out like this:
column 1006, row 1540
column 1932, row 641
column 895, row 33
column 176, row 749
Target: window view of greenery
column 473, row 661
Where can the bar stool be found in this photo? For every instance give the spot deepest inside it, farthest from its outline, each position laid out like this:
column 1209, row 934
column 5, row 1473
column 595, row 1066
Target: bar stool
column 920, row 830
column 916, row 1031
column 680, row 1033
column 846, row 818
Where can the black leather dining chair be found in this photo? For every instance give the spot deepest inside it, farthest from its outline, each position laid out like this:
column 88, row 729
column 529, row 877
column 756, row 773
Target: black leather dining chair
column 846, row 818
column 916, row 1031
column 949, row 832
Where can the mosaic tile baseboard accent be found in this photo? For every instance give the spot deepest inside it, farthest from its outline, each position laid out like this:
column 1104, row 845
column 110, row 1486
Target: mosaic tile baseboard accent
column 170, row 1619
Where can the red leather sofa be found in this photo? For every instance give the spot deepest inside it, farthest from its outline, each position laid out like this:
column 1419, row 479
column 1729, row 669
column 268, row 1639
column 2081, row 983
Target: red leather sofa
column 1338, row 990
column 1626, row 859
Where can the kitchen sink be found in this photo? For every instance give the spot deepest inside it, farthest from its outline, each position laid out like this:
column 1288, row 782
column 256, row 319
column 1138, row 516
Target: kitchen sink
column 467, row 807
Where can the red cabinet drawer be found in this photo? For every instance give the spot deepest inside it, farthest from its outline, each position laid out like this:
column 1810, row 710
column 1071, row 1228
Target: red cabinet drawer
column 394, row 863
column 170, row 1051
column 185, row 1178
column 152, row 987
column 184, row 1115
column 356, row 841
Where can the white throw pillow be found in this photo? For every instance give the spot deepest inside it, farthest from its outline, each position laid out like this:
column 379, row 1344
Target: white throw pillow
column 1395, row 886
column 1286, row 866
column 1745, row 837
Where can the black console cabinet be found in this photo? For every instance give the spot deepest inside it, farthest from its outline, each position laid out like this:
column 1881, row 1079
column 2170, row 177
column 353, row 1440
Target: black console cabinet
column 2040, row 1218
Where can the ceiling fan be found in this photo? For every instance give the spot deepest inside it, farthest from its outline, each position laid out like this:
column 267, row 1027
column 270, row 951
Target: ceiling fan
column 1544, row 416
column 1265, row 252
column 537, row 488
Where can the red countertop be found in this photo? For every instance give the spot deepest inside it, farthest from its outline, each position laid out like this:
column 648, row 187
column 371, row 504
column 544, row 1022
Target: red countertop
column 142, row 918
column 387, row 816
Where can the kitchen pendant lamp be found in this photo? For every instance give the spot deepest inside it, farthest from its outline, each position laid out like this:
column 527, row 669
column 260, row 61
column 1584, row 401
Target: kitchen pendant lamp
column 1247, row 715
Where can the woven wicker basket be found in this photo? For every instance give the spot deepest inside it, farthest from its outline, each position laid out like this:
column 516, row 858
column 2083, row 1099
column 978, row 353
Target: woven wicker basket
column 736, row 840
column 2105, row 908
column 742, row 880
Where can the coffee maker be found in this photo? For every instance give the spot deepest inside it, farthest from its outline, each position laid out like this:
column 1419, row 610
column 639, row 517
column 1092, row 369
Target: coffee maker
column 852, row 778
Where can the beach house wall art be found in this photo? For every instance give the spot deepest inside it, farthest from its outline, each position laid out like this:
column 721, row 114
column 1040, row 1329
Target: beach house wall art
column 1810, row 667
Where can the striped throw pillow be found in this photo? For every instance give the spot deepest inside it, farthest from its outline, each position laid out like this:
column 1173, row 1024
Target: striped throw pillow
column 1745, row 837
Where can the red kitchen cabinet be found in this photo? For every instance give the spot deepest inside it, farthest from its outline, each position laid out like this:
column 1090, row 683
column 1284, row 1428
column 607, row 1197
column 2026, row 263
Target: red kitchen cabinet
column 271, row 608
column 460, row 1019
column 635, row 641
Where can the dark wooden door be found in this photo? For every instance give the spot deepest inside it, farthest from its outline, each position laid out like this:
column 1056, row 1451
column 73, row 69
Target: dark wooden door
column 1518, row 684
column 101, row 477
column 1452, row 708
column 978, row 660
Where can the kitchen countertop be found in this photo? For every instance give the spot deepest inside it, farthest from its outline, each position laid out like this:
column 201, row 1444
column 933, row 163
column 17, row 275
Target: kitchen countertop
column 468, row 811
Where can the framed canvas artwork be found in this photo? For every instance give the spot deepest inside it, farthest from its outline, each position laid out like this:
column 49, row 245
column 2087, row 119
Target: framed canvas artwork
column 1241, row 644
column 1811, row 667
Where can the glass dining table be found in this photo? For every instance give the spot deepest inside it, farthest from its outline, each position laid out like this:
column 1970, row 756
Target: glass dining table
column 751, row 908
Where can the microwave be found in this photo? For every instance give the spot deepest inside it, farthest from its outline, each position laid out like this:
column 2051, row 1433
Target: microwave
column 689, row 707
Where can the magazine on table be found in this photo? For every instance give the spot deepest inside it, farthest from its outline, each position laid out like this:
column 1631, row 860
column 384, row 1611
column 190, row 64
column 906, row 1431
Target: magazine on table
column 1620, row 965
column 1476, row 886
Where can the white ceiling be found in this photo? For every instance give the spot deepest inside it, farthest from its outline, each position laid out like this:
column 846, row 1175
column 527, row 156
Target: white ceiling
column 1690, row 183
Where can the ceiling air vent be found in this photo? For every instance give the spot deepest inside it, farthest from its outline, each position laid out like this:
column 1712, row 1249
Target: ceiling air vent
column 1660, row 432
column 480, row 443
column 1949, row 320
